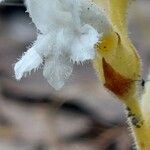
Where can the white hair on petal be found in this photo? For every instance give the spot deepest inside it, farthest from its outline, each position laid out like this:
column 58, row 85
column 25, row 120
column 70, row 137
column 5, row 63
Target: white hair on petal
column 56, row 71
column 30, row 60
column 69, row 29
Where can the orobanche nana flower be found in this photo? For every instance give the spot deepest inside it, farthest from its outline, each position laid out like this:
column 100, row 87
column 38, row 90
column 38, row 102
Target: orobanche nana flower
column 67, row 33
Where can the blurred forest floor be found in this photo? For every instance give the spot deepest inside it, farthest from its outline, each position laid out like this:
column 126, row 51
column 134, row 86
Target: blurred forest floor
column 82, row 116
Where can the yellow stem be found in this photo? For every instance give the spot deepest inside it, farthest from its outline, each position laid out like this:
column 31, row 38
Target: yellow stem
column 138, row 125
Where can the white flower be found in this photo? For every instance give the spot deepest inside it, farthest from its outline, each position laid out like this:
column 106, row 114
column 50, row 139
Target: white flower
column 69, row 29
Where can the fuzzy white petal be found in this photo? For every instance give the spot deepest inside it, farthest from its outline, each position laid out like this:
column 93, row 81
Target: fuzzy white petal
column 31, row 60
column 95, row 16
column 83, row 45
column 69, row 29
column 49, row 14
column 57, row 71
column 44, row 44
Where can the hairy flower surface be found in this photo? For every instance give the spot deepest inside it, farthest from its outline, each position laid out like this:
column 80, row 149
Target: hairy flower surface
column 68, row 31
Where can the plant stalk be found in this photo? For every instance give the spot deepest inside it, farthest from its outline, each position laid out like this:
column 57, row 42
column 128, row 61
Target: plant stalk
column 138, row 124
